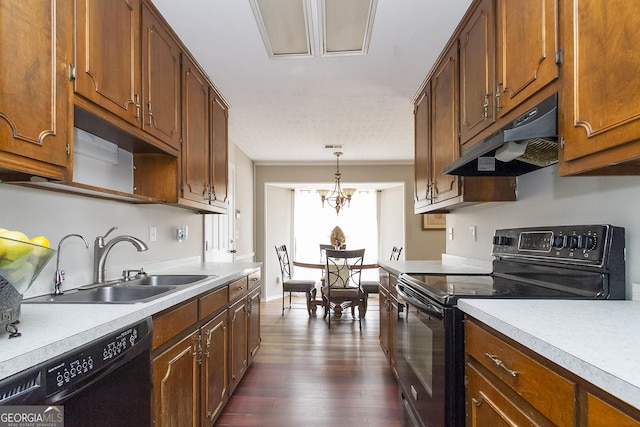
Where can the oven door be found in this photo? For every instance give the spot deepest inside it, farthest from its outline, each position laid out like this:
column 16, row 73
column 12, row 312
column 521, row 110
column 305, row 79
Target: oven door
column 428, row 375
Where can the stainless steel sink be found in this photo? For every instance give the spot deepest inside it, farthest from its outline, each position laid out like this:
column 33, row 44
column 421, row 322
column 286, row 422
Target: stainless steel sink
column 168, row 280
column 116, row 294
column 134, row 291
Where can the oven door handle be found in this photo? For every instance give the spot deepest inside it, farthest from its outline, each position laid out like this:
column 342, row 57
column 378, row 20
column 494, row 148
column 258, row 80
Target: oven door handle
column 428, row 307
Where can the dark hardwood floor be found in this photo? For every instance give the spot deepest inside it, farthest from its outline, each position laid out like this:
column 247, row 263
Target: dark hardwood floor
column 306, row 375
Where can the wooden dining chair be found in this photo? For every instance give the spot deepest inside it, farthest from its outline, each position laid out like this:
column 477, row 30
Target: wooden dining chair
column 373, row 286
column 289, row 284
column 342, row 288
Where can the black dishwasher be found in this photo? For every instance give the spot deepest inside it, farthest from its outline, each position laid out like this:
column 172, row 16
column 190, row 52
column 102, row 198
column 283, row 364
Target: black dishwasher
column 106, row 382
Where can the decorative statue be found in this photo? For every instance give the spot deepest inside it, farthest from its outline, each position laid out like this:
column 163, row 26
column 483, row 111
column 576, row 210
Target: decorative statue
column 337, row 237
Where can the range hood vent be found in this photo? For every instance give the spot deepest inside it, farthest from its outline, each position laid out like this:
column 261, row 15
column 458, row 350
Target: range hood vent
column 528, row 143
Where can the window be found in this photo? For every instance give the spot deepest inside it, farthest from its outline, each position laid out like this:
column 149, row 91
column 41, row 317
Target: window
column 313, row 225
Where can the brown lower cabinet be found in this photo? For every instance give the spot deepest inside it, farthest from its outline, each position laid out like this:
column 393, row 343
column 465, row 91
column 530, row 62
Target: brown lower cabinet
column 388, row 317
column 507, row 384
column 200, row 352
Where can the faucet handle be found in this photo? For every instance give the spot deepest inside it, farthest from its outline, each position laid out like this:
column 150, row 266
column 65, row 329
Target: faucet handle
column 100, row 239
column 109, row 232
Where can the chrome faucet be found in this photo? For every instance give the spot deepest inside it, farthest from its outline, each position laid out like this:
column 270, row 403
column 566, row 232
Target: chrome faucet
column 59, row 275
column 101, row 250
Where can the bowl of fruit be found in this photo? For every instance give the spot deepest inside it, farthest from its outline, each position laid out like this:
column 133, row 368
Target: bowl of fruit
column 21, row 260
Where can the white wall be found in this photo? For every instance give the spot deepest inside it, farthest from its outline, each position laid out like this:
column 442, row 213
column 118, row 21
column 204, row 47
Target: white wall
column 54, row 215
column 391, row 220
column 278, row 220
column 245, row 195
column 544, row 198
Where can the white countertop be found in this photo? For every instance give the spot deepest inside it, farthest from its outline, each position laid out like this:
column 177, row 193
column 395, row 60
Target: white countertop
column 596, row 340
column 49, row 330
column 449, row 264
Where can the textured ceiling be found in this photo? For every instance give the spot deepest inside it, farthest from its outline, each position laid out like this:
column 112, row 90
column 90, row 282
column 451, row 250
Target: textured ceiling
column 287, row 110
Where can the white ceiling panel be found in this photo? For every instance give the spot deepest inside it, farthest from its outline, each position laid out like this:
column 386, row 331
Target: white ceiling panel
column 287, row 110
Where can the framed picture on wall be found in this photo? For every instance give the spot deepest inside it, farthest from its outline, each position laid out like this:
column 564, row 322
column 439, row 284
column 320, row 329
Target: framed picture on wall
column 433, row 221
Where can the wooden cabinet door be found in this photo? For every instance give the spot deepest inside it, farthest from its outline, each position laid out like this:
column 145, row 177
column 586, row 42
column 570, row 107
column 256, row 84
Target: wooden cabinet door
column 238, row 341
column 527, row 42
column 602, row 414
column 600, row 87
column 161, row 79
column 215, row 368
column 219, row 155
column 195, row 148
column 176, row 384
column 393, row 334
column 254, row 337
column 477, row 72
column 384, row 301
column 422, row 147
column 445, row 125
column 487, row 406
column 35, row 93
column 108, row 55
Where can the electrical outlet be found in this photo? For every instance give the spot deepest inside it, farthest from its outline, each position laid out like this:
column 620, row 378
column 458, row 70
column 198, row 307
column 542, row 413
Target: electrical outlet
column 180, row 234
column 153, row 233
column 472, row 233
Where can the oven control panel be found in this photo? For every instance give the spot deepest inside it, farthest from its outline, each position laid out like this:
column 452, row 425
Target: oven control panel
column 577, row 243
column 77, row 366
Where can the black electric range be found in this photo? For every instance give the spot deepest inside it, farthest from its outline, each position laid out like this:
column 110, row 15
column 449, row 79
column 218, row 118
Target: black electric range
column 559, row 262
column 584, row 261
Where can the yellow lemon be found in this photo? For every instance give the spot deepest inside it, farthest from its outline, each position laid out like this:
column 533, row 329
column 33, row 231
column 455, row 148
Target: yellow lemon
column 40, row 241
column 15, row 248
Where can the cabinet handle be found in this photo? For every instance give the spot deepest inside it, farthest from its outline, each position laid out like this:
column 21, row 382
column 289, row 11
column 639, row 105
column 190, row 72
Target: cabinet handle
column 485, row 106
column 501, row 364
column 197, row 349
column 136, row 97
column 150, row 113
column 498, row 106
column 208, row 344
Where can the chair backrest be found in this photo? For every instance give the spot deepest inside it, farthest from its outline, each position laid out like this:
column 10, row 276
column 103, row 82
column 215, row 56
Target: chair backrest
column 285, row 265
column 344, row 268
column 324, row 247
column 395, row 253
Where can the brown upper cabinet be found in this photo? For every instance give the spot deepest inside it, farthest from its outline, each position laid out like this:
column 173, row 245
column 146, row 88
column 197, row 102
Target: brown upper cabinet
column 161, row 80
column 528, row 52
column 128, row 63
column 477, row 72
column 113, row 69
column 204, row 149
column 600, row 127
column 35, row 93
column 195, row 150
column 218, row 121
column 444, row 126
column 437, row 139
column 509, row 52
column 108, row 66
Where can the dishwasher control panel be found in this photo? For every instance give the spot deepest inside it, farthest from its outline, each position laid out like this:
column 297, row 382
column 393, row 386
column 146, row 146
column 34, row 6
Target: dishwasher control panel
column 74, row 367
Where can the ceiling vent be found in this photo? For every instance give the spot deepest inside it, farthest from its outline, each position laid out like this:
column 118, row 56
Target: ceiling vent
column 333, row 147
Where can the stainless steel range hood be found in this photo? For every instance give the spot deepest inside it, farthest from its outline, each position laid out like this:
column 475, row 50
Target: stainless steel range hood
column 528, row 143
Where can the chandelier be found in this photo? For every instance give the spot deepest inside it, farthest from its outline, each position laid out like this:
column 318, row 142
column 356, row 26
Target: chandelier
column 338, row 197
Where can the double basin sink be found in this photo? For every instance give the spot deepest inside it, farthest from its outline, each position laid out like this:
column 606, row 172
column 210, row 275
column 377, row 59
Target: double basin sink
column 131, row 291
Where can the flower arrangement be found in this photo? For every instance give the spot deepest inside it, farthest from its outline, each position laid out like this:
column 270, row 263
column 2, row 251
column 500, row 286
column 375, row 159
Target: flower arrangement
column 337, row 237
